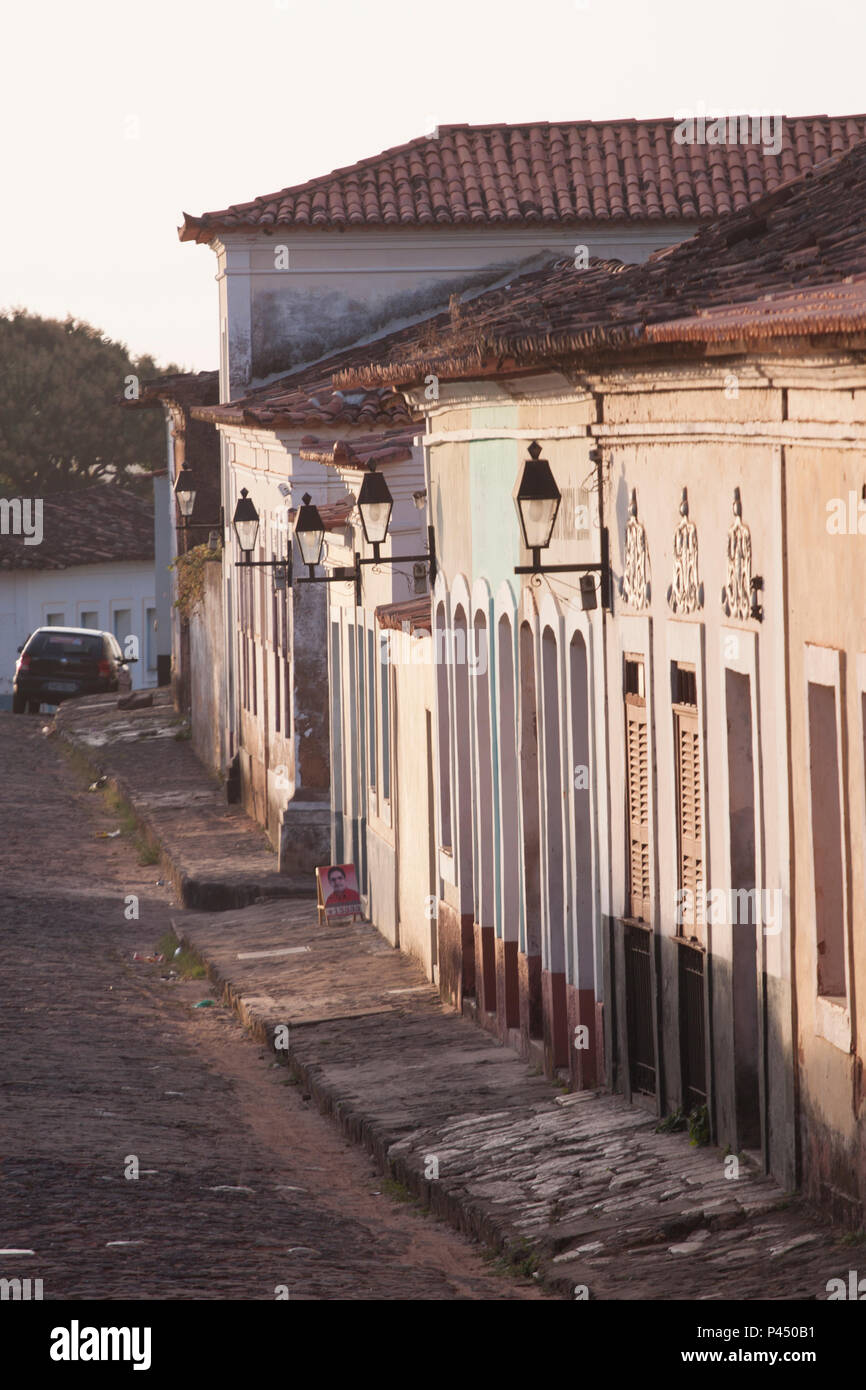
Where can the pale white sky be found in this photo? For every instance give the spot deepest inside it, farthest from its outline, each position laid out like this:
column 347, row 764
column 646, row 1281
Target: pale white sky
column 236, row 99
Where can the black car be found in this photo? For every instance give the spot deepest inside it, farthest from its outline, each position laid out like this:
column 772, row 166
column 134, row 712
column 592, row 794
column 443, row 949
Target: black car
column 59, row 663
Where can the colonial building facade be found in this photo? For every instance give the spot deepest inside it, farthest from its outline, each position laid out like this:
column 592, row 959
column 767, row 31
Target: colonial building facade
column 650, row 808
column 355, row 256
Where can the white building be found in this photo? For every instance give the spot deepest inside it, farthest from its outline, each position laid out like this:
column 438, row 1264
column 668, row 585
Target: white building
column 93, row 567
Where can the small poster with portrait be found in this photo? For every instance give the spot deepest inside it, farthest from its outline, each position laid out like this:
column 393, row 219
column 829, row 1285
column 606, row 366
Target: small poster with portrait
column 338, row 895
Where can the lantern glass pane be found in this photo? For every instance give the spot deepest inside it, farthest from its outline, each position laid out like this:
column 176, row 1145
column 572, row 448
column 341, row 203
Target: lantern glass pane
column 538, row 515
column 186, row 502
column 376, row 516
column 246, row 533
column 310, row 543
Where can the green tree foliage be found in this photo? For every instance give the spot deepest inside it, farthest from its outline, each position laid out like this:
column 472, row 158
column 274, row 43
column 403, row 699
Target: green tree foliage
column 61, row 425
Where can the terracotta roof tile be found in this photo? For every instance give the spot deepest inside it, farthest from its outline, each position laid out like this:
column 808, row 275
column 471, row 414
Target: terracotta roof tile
column 542, row 173
column 335, row 515
column 306, row 397
column 177, row 388
column 358, row 453
column 89, row 526
column 414, row 613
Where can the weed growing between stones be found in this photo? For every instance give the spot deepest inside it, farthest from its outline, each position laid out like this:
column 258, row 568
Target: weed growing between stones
column 696, row 1121
column 699, row 1127
column 187, row 964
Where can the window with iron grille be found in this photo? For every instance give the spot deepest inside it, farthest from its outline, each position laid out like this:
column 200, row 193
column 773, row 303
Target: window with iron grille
column 690, row 811
column 637, row 787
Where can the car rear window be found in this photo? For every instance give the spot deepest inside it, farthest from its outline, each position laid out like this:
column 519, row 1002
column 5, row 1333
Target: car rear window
column 65, row 644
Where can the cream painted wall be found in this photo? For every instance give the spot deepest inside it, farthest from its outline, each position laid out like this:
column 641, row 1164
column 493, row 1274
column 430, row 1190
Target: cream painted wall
column 826, row 605
column 417, row 891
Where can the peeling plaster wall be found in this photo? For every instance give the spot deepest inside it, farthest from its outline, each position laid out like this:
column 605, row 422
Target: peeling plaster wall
column 291, row 296
column 282, row 734
column 299, row 320
column 207, row 684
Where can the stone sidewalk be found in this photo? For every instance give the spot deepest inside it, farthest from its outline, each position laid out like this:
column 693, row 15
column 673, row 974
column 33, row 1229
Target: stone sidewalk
column 215, row 858
column 580, row 1188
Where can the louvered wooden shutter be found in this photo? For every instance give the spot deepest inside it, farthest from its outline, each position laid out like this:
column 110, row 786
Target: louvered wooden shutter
column 637, row 758
column 690, row 818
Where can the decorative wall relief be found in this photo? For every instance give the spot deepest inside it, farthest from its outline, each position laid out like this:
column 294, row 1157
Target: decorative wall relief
column 736, row 595
column 686, row 593
column 635, row 587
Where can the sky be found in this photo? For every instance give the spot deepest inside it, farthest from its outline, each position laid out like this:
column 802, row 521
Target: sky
column 116, row 118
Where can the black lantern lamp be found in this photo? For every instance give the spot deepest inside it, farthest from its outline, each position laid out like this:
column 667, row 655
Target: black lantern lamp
column 537, row 499
column 375, row 504
column 246, row 524
column 309, row 533
column 185, row 495
column 184, row 491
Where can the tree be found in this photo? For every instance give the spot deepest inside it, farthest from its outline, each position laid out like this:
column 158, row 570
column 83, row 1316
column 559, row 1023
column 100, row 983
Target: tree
column 61, row 425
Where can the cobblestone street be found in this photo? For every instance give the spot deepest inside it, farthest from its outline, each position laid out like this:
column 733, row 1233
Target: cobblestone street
column 581, row 1188
column 243, row 1186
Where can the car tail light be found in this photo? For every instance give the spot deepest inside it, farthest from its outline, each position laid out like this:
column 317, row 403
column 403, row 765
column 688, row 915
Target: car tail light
column 104, row 668
column 24, row 663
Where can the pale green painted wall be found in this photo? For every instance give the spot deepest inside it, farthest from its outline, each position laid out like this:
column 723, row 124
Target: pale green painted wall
column 493, row 465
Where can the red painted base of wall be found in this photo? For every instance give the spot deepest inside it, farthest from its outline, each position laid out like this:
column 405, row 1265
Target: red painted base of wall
column 512, row 991
column 507, row 988
column 456, row 954
column 585, row 1063
column 531, row 1011
column 555, row 1021
column 485, row 976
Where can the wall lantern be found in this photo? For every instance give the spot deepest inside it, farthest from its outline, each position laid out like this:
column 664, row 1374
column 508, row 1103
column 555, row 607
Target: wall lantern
column 185, row 494
column 537, row 499
column 375, row 504
column 309, row 533
column 246, row 524
column 184, row 491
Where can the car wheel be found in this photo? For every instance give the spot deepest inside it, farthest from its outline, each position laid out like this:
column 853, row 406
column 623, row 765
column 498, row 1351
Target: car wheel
column 33, row 706
column 19, row 703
